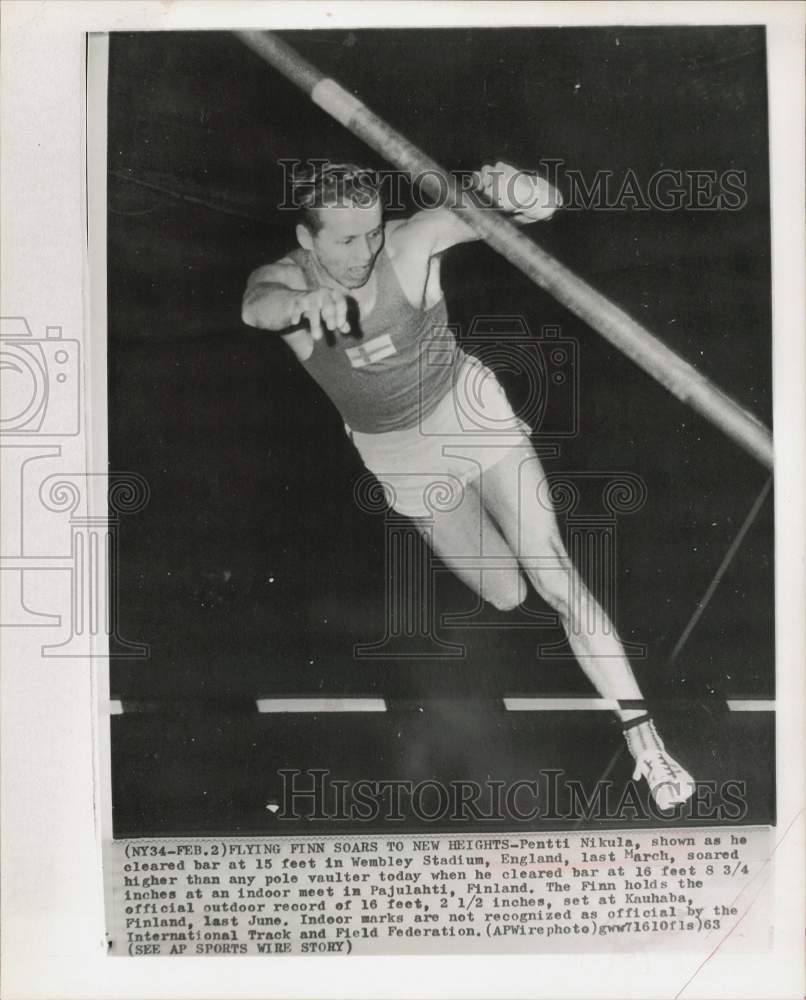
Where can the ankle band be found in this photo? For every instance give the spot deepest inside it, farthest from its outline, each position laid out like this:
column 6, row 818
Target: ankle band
column 632, row 723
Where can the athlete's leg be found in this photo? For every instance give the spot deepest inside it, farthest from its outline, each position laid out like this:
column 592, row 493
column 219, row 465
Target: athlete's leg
column 469, row 531
column 509, row 491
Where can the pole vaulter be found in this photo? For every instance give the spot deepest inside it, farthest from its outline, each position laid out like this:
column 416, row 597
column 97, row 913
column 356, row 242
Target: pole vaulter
column 630, row 337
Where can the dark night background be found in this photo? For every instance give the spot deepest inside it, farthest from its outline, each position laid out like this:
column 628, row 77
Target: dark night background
column 252, row 573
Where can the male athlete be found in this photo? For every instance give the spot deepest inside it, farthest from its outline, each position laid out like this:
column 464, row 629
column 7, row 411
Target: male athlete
column 359, row 302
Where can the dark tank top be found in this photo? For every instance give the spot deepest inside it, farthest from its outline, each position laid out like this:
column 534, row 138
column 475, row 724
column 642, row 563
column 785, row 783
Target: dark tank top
column 394, row 366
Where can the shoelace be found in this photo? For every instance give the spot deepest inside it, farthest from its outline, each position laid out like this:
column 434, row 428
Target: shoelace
column 649, row 752
column 649, row 760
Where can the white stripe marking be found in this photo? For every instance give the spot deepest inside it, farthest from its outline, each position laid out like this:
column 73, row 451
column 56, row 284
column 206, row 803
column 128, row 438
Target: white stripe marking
column 321, row 705
column 560, row 704
column 751, row 705
column 116, row 708
column 606, row 704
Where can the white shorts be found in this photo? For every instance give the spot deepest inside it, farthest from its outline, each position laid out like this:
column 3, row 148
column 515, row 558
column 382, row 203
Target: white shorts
column 424, row 469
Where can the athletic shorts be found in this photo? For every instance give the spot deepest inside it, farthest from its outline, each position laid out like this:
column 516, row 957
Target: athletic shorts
column 425, row 469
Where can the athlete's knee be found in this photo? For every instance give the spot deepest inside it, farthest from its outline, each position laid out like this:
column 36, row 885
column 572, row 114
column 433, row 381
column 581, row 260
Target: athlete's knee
column 555, row 581
column 505, row 593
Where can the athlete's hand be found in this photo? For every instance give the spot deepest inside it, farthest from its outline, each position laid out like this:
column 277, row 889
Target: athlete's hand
column 527, row 196
column 323, row 306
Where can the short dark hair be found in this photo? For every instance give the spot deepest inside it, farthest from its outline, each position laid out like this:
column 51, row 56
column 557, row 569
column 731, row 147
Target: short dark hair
column 330, row 185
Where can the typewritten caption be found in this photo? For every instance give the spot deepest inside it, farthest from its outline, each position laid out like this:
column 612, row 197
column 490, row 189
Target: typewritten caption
column 384, row 895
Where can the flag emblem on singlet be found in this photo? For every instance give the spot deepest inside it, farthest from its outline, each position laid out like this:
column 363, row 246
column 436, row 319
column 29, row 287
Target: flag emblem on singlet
column 373, row 350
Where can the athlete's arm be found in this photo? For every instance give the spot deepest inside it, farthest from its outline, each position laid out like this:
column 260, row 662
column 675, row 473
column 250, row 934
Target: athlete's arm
column 525, row 197
column 277, row 299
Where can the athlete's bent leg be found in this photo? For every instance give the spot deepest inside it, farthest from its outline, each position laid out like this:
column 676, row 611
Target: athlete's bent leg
column 509, row 491
column 466, row 533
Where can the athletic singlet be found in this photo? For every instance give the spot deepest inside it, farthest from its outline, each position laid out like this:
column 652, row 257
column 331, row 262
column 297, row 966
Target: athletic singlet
column 395, row 367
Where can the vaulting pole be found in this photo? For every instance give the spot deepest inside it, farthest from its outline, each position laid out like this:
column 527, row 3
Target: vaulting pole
column 629, row 336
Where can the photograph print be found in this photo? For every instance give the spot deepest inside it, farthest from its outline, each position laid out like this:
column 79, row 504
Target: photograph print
column 445, row 355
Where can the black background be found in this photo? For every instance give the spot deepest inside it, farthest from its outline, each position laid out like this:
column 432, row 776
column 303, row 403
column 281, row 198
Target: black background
column 252, row 573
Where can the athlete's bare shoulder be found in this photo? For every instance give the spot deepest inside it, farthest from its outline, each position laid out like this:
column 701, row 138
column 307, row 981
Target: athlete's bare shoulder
column 426, row 233
column 410, row 238
column 285, row 271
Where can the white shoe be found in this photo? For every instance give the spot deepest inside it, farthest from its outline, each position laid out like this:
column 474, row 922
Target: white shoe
column 669, row 783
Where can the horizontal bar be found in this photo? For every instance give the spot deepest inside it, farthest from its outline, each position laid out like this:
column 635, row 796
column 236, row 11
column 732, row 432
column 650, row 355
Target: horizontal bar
column 610, row 705
column 579, row 704
column 278, row 705
column 560, row 704
column 750, row 705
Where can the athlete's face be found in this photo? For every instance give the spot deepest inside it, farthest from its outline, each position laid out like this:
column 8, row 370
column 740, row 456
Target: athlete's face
column 348, row 242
